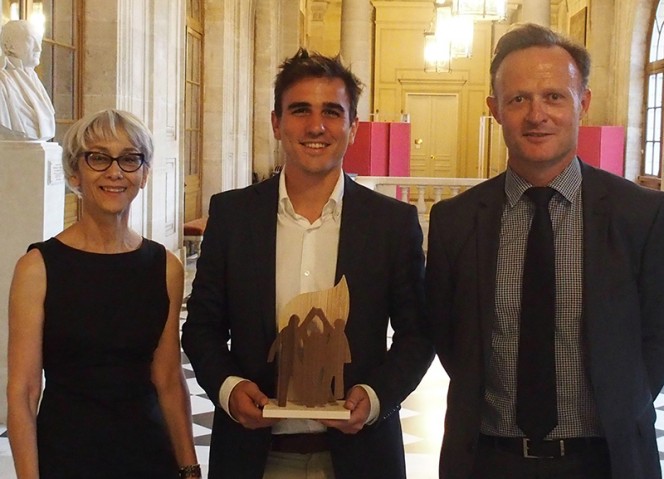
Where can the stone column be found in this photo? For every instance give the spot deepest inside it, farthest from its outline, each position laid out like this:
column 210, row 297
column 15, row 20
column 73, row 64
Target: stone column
column 603, row 72
column 537, row 11
column 267, row 59
column 316, row 28
column 357, row 47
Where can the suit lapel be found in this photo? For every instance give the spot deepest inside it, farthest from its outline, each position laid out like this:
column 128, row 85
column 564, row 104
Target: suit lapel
column 262, row 214
column 596, row 250
column 489, row 213
column 355, row 226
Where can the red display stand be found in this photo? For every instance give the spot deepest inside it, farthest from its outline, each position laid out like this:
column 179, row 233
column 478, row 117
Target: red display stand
column 603, row 147
column 399, row 149
column 380, row 149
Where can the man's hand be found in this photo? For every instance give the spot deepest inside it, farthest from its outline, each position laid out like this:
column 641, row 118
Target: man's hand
column 359, row 405
column 246, row 406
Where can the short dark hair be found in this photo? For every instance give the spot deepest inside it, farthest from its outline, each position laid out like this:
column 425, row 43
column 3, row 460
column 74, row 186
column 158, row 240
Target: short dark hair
column 526, row 35
column 306, row 65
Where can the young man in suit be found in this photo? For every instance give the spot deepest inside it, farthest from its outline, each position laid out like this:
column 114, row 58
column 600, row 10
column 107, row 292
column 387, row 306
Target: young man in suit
column 601, row 361
column 298, row 232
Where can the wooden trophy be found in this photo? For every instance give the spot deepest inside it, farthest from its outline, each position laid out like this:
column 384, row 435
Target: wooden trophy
column 311, row 349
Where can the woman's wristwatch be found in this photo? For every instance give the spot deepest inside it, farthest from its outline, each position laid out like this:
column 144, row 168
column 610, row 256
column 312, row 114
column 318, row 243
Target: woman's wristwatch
column 191, row 471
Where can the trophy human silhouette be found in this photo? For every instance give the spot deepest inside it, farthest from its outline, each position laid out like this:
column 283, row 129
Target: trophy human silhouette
column 311, row 349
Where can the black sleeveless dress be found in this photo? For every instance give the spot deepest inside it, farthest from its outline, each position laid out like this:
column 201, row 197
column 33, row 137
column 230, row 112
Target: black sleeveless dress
column 104, row 314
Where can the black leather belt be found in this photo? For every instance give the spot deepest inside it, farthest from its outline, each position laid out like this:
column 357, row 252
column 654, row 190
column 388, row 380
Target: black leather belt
column 300, row 443
column 546, row 449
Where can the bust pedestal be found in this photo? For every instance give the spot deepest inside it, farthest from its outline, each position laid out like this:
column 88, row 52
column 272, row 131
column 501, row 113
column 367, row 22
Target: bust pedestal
column 33, row 188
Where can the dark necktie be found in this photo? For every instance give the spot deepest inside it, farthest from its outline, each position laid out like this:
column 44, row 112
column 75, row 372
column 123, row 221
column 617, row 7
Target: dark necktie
column 536, row 403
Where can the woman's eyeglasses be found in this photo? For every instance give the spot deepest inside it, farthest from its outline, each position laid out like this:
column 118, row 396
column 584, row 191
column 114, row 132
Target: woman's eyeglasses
column 128, row 162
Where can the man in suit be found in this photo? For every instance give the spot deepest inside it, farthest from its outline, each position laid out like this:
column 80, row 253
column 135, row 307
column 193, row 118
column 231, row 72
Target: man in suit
column 298, row 232
column 607, row 315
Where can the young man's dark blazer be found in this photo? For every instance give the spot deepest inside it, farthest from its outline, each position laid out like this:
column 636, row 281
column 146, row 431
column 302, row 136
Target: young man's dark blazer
column 233, row 297
column 623, row 313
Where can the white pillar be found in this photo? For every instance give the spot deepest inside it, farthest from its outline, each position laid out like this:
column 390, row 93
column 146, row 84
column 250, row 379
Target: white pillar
column 537, row 11
column 357, row 46
column 33, row 210
column 268, row 55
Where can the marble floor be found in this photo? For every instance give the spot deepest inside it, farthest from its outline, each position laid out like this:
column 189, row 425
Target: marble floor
column 422, row 417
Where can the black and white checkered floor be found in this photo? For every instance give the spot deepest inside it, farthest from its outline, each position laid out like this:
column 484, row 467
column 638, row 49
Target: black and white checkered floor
column 422, row 417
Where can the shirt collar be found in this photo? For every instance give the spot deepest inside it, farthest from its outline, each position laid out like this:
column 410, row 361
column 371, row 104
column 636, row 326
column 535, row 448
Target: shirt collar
column 567, row 183
column 332, row 207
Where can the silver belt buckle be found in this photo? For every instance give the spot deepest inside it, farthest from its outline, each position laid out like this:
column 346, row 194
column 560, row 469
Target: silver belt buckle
column 526, row 449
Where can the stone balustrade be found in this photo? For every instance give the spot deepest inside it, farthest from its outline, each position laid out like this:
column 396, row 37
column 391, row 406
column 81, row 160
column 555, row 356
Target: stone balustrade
column 402, row 186
column 429, row 191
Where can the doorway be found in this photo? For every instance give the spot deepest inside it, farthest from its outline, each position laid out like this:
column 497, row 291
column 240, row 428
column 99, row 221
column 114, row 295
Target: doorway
column 434, row 131
column 434, row 137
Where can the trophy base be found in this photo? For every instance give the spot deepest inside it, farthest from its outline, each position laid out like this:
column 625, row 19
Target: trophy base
column 298, row 411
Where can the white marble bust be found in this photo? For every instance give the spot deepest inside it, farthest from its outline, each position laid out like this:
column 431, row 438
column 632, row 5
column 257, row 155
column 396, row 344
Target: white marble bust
column 26, row 111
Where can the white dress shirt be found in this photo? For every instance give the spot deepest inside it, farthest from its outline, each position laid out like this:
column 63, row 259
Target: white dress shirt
column 306, row 261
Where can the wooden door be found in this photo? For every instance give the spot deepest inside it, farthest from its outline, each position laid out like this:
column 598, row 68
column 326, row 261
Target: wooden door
column 434, row 138
column 434, row 128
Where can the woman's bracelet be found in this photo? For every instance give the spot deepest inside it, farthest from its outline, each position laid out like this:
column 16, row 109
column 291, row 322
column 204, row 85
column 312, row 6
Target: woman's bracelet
column 191, row 471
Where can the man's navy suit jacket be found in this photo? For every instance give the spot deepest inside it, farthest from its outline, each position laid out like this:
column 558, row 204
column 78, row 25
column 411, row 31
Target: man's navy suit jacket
column 623, row 313
column 233, row 298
